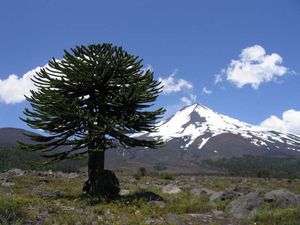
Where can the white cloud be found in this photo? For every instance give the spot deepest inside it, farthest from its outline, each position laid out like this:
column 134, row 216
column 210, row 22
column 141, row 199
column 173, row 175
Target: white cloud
column 219, row 77
column 13, row 89
column 172, row 85
column 206, row 91
column 189, row 99
column 253, row 67
column 290, row 122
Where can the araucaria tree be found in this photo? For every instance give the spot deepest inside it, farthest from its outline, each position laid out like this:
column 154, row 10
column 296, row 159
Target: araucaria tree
column 91, row 100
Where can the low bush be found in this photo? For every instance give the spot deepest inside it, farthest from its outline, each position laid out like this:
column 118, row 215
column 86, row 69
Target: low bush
column 12, row 211
column 289, row 216
column 167, row 176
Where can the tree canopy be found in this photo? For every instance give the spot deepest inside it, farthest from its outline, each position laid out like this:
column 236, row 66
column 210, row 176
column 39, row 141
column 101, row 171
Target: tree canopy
column 95, row 97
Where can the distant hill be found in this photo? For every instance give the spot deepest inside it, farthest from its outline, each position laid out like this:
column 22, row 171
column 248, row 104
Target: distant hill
column 11, row 156
column 10, row 135
column 197, row 140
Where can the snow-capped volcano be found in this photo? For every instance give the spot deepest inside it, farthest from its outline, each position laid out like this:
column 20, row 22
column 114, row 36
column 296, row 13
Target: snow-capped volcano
column 196, row 125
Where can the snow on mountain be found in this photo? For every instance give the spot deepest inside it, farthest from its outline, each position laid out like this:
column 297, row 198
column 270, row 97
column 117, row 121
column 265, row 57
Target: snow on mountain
column 198, row 122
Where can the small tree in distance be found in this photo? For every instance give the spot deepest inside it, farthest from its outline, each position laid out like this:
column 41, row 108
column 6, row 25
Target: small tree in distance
column 90, row 101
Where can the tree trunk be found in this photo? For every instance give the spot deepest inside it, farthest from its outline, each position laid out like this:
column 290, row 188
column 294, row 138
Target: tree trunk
column 95, row 184
column 100, row 182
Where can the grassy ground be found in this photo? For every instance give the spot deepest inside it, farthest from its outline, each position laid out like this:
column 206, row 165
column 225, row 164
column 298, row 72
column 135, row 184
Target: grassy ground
column 57, row 199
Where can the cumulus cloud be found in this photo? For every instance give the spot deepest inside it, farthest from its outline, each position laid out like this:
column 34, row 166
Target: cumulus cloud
column 290, row 122
column 13, row 89
column 189, row 99
column 253, row 68
column 206, row 91
column 172, row 85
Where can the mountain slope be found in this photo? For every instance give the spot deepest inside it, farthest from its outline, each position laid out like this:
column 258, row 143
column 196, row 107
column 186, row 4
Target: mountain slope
column 201, row 129
column 10, row 135
column 193, row 134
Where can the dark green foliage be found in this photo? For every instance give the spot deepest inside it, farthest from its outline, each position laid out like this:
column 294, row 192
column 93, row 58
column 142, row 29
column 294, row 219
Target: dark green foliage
column 137, row 176
column 12, row 156
column 259, row 166
column 167, row 176
column 12, row 211
column 91, row 100
column 142, row 171
column 159, row 167
column 264, row 173
column 289, row 216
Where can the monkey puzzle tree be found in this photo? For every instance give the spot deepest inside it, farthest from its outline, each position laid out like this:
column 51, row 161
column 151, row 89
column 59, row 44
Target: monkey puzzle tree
column 92, row 100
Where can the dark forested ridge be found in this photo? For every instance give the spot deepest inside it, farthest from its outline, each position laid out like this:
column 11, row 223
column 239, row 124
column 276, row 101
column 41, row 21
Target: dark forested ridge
column 11, row 156
column 260, row 166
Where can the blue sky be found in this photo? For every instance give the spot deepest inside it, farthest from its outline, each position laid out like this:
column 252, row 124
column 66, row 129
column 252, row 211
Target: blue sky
column 187, row 43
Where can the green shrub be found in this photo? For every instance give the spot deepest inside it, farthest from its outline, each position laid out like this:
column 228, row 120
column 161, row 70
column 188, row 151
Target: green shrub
column 263, row 174
column 142, row 171
column 167, row 176
column 221, row 205
column 289, row 216
column 159, row 167
column 137, row 176
column 12, row 211
column 185, row 202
